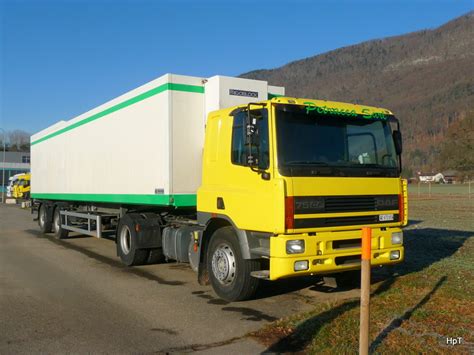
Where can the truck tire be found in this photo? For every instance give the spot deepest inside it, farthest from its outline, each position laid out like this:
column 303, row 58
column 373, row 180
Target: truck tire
column 155, row 256
column 58, row 231
column 43, row 221
column 127, row 243
column 229, row 272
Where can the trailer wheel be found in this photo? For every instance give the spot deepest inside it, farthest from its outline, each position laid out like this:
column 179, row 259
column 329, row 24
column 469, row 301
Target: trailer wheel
column 229, row 272
column 127, row 244
column 43, row 221
column 58, row 231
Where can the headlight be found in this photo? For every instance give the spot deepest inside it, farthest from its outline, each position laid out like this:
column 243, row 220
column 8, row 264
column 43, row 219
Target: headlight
column 397, row 238
column 301, row 265
column 395, row 255
column 295, row 246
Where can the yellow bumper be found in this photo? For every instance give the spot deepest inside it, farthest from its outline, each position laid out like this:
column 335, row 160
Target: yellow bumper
column 328, row 252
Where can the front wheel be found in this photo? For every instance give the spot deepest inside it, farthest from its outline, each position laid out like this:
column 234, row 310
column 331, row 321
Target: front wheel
column 229, row 272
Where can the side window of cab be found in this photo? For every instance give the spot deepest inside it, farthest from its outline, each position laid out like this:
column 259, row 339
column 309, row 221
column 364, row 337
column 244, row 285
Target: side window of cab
column 238, row 147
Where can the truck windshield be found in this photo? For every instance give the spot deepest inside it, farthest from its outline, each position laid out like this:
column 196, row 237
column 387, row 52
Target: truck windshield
column 311, row 143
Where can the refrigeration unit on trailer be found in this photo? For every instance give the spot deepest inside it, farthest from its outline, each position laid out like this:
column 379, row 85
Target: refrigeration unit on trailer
column 229, row 175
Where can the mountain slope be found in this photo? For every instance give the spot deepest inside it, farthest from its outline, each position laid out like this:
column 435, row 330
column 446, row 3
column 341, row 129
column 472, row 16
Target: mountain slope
column 425, row 77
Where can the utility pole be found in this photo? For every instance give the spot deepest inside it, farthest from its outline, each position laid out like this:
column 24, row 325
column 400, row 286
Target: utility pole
column 3, row 165
column 365, row 291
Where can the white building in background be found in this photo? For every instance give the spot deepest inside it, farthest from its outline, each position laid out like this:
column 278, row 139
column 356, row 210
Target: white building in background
column 436, row 178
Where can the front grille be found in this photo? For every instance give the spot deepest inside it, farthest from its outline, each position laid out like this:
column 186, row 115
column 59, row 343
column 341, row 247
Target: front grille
column 349, row 204
column 340, row 221
column 338, row 204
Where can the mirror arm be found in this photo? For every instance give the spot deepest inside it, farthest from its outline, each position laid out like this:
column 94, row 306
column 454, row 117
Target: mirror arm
column 399, row 155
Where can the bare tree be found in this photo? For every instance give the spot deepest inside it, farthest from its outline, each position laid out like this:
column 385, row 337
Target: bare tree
column 19, row 140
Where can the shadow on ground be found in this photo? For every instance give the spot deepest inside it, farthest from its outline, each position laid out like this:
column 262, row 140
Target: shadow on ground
column 423, row 247
column 104, row 259
column 268, row 289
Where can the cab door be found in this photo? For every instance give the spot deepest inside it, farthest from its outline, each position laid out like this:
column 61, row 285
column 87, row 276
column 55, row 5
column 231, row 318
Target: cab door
column 251, row 197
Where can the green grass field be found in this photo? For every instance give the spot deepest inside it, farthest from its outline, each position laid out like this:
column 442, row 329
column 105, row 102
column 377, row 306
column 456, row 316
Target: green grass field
column 415, row 305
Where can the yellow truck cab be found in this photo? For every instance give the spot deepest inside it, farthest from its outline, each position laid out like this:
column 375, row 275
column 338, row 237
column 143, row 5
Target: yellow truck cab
column 297, row 179
column 21, row 187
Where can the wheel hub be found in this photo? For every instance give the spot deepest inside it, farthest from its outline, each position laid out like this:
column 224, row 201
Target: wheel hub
column 42, row 217
column 223, row 264
column 125, row 239
column 57, row 225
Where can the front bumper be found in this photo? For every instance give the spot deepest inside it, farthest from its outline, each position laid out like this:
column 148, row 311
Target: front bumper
column 328, row 252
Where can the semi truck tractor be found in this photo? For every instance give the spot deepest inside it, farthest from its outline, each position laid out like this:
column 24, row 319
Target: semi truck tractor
column 12, row 182
column 229, row 175
column 21, row 187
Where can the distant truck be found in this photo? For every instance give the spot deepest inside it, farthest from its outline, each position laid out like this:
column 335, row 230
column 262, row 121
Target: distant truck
column 11, row 182
column 19, row 186
column 229, row 175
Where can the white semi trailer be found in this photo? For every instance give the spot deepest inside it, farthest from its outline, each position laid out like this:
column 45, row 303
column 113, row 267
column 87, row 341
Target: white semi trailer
column 228, row 175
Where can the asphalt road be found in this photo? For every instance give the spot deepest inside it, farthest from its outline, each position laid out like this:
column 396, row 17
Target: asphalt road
column 74, row 295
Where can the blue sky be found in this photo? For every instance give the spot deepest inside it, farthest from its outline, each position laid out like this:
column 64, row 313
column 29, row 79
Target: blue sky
column 61, row 58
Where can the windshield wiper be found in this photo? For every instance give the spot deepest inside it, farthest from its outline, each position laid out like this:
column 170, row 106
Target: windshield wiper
column 306, row 162
column 371, row 165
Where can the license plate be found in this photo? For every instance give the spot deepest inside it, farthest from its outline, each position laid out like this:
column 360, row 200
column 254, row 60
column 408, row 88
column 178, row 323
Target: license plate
column 385, row 217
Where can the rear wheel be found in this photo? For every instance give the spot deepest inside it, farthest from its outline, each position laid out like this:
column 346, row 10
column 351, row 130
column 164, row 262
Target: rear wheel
column 229, row 272
column 127, row 244
column 43, row 220
column 155, row 256
column 58, row 231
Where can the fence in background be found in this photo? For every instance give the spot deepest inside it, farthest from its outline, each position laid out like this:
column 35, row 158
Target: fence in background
column 420, row 188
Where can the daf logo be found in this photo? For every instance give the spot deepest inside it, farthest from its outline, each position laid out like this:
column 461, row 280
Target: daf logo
column 386, row 202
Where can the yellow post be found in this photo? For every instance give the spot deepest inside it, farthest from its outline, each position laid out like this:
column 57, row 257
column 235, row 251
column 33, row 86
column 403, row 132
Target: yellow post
column 365, row 291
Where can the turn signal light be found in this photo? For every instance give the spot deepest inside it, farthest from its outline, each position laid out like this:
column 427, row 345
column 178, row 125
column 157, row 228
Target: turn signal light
column 289, row 212
column 401, row 208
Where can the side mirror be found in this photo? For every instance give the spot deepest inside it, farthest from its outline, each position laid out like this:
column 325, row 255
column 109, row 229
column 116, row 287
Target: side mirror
column 251, row 140
column 397, row 140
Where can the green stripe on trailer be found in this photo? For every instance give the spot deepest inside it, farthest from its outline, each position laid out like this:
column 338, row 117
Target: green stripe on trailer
column 177, row 200
column 271, row 96
column 13, row 169
column 133, row 100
